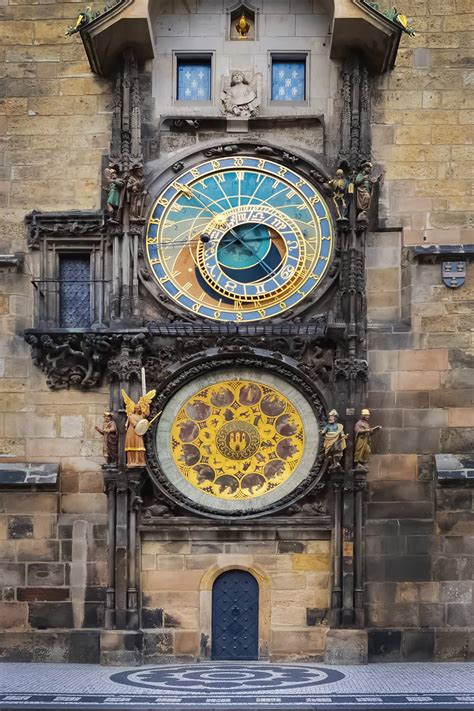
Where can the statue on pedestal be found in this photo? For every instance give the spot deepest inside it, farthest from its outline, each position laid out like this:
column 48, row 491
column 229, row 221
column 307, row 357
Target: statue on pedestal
column 363, row 433
column 364, row 185
column 334, row 439
column 341, row 189
column 136, row 426
column 240, row 94
column 114, row 191
column 110, row 434
column 136, row 194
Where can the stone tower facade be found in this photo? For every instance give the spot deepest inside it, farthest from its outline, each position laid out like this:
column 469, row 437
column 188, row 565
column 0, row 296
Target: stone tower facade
column 100, row 561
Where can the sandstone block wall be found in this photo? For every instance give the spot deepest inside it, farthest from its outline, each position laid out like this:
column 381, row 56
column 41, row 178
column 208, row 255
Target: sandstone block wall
column 419, row 537
column 176, row 582
column 53, row 570
column 54, row 129
column 423, row 126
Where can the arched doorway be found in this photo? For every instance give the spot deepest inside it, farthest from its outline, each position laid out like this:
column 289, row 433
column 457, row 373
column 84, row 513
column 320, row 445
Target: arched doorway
column 235, row 616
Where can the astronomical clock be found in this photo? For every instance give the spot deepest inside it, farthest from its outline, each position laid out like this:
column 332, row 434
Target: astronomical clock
column 239, row 239
column 237, row 245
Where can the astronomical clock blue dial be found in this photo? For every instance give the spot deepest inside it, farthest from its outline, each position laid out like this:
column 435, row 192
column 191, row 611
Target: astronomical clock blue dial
column 239, row 238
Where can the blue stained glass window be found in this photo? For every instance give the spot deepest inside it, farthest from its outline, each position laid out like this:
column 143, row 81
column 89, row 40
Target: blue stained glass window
column 289, row 80
column 194, row 79
column 74, row 291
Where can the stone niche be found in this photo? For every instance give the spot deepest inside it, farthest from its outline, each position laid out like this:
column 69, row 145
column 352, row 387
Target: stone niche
column 179, row 566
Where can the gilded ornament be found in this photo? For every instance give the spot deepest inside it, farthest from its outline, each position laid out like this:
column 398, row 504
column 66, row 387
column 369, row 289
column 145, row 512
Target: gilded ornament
column 260, row 252
column 237, row 439
column 242, row 26
column 137, row 413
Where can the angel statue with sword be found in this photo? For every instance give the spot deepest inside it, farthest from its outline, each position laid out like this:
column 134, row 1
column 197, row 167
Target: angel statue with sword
column 136, row 426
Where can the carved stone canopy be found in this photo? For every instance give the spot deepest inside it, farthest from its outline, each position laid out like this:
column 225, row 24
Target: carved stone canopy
column 125, row 25
column 356, row 27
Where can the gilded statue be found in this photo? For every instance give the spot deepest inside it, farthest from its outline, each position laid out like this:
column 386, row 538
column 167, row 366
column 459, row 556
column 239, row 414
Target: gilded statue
column 334, row 439
column 110, row 434
column 135, row 427
column 363, row 436
column 240, row 94
column 83, row 19
column 242, row 26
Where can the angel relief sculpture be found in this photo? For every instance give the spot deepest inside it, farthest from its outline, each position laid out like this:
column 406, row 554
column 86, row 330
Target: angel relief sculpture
column 241, row 94
column 136, row 426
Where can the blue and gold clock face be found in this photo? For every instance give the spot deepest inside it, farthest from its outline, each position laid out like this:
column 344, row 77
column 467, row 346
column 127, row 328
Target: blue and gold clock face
column 239, row 238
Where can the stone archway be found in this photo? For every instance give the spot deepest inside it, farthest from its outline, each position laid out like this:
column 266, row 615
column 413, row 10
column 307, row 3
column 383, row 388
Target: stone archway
column 205, row 606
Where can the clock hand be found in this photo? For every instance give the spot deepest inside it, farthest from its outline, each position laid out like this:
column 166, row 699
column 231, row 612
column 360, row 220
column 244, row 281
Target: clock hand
column 238, row 238
column 189, row 192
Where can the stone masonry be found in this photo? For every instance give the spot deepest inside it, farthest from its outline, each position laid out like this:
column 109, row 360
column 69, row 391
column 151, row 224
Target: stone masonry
column 419, row 538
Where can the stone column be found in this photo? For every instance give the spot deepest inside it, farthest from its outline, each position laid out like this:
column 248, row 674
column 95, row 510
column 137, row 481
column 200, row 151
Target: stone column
column 135, row 483
column 125, row 372
column 336, row 593
column 360, row 484
column 110, row 484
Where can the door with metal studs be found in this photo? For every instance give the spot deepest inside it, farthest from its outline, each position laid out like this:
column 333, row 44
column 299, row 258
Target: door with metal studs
column 235, row 616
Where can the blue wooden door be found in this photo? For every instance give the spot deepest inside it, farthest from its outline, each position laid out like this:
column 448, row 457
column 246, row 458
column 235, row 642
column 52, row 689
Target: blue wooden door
column 235, row 616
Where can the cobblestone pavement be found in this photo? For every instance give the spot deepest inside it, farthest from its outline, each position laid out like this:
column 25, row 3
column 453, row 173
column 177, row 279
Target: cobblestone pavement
column 227, row 685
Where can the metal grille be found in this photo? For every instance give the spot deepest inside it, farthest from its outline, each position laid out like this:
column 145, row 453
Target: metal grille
column 235, row 616
column 74, row 291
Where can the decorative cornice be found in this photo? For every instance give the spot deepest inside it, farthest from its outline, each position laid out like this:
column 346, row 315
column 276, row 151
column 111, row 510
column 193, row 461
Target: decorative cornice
column 62, row 224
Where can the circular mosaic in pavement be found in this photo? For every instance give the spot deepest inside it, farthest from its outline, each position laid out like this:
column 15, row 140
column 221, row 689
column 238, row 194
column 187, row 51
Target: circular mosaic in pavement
column 227, row 678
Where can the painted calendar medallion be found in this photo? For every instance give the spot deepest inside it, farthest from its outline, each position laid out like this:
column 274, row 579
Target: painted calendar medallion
column 239, row 238
column 237, row 439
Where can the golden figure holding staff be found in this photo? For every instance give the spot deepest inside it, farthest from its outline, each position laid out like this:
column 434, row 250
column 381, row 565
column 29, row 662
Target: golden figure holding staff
column 136, row 426
column 363, row 435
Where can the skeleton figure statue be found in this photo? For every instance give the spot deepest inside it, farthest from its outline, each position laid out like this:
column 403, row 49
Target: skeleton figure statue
column 136, row 413
column 341, row 189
